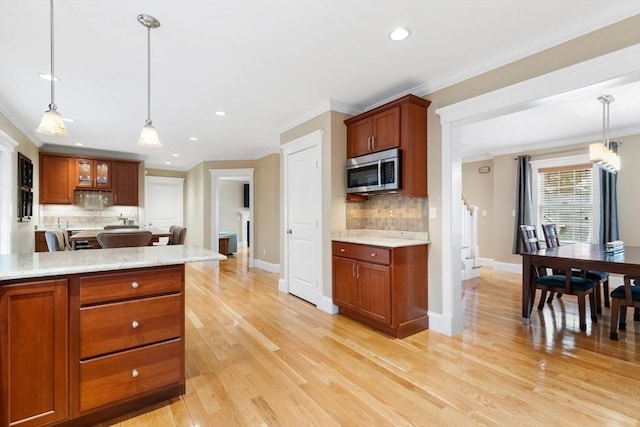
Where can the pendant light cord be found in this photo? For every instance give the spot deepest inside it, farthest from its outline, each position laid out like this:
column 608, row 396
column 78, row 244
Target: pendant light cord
column 53, row 91
column 149, row 75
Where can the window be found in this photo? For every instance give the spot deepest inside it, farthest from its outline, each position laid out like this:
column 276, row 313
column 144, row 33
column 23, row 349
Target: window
column 564, row 194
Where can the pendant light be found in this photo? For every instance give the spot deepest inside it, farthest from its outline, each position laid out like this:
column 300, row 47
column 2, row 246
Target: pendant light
column 604, row 153
column 51, row 123
column 149, row 135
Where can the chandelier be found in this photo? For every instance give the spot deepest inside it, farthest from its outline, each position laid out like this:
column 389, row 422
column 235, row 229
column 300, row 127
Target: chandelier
column 604, row 154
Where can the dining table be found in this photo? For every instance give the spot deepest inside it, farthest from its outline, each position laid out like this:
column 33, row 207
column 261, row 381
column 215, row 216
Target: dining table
column 90, row 236
column 584, row 256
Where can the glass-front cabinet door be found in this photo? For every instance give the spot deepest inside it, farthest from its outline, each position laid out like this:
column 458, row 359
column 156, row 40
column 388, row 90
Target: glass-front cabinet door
column 93, row 174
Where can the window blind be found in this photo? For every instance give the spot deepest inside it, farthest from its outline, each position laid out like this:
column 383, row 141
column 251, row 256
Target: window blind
column 565, row 198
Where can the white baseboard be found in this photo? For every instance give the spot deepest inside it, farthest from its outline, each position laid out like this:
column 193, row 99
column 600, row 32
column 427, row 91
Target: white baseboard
column 326, row 304
column 267, row 266
column 444, row 324
column 283, row 285
column 501, row 266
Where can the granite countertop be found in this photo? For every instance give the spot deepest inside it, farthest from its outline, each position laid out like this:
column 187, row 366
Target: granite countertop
column 384, row 238
column 40, row 264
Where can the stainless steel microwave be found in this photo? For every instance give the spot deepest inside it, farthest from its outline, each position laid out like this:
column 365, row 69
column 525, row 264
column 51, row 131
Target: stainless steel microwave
column 374, row 172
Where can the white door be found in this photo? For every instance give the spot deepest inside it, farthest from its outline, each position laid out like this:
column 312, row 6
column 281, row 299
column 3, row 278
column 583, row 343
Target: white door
column 163, row 201
column 303, row 186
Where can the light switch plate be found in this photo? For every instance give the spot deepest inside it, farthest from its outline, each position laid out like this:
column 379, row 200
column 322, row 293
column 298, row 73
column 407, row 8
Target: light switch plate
column 433, row 213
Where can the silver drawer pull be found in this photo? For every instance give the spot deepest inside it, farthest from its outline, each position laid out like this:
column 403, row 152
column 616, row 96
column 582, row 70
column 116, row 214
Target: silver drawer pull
column 134, row 373
column 134, row 324
column 134, row 285
column 343, row 250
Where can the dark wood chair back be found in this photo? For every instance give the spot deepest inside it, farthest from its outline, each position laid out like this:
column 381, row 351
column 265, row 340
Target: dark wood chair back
column 531, row 243
column 124, row 239
column 551, row 236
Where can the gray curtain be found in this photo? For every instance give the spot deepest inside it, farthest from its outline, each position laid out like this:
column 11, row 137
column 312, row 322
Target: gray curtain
column 608, row 207
column 524, row 205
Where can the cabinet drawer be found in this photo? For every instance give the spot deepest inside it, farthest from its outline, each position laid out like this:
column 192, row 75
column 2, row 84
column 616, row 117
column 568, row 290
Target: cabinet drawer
column 366, row 253
column 116, row 286
column 128, row 374
column 113, row 327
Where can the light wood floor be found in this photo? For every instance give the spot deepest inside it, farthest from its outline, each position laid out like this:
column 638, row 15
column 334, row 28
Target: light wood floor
column 259, row 357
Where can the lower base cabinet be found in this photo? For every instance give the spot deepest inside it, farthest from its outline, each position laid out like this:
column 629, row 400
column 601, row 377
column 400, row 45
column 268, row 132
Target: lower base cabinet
column 85, row 348
column 34, row 353
column 385, row 288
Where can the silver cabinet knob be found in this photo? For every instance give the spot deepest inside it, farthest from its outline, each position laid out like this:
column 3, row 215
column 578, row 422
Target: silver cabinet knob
column 373, row 254
column 343, row 250
column 134, row 324
column 134, row 373
column 134, row 285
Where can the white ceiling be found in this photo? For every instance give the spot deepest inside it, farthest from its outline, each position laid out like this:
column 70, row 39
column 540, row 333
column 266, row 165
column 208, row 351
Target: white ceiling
column 273, row 64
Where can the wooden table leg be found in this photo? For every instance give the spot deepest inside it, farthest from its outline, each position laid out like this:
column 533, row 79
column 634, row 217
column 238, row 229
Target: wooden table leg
column 528, row 293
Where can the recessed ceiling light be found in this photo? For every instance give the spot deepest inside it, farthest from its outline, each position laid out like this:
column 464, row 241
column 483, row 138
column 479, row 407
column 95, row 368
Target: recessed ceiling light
column 79, row 144
column 167, row 163
column 193, row 138
column 399, row 34
column 176, row 155
column 220, row 113
column 47, row 77
column 68, row 120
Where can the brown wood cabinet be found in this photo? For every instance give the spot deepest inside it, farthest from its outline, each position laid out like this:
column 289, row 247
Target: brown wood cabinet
column 92, row 174
column 385, row 288
column 130, row 336
column 374, row 133
column 34, row 353
column 125, row 183
column 89, row 347
column 399, row 123
column 61, row 175
column 56, row 179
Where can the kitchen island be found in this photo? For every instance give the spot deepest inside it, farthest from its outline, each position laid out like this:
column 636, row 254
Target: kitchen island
column 89, row 335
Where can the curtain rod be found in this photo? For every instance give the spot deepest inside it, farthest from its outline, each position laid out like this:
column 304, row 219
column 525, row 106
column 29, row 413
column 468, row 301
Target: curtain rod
column 576, row 152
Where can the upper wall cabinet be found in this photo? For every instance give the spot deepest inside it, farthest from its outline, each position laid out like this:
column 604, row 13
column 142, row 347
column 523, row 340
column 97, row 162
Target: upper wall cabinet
column 93, row 174
column 375, row 133
column 60, row 175
column 125, row 183
column 400, row 123
column 56, row 179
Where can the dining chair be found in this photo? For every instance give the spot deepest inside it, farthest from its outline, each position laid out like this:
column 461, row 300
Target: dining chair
column 601, row 278
column 581, row 287
column 57, row 240
column 178, row 234
column 627, row 295
column 125, row 239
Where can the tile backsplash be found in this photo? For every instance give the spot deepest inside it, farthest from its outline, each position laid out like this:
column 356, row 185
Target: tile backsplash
column 72, row 216
column 389, row 212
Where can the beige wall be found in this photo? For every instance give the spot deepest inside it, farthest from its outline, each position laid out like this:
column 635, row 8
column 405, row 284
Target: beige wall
column 231, row 196
column 195, row 200
column 267, row 206
column 609, row 39
column 22, row 233
column 629, row 190
column 266, row 209
column 477, row 189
